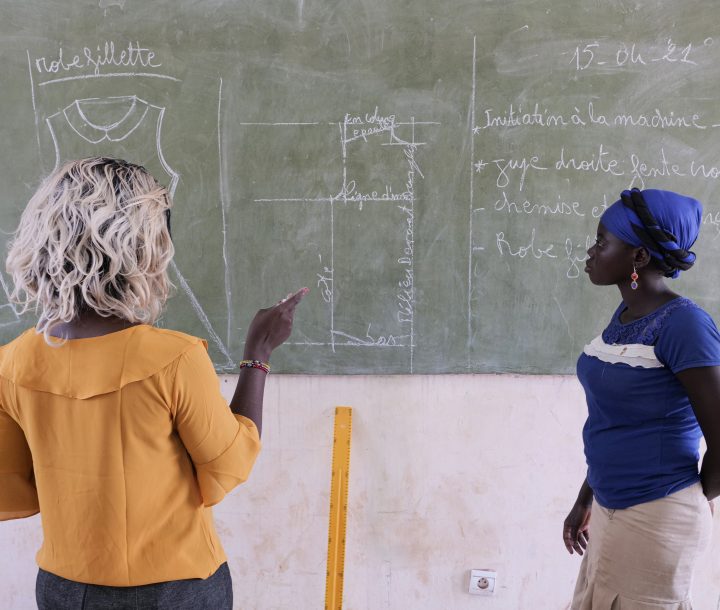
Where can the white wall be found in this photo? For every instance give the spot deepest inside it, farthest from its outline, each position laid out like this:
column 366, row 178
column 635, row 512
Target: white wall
column 447, row 473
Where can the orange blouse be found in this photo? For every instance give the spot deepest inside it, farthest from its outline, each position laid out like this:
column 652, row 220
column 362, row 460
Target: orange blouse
column 122, row 443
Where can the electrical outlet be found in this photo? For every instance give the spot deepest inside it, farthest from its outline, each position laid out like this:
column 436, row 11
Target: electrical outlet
column 482, row 582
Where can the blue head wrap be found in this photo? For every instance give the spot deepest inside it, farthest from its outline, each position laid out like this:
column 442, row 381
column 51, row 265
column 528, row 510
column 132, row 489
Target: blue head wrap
column 665, row 223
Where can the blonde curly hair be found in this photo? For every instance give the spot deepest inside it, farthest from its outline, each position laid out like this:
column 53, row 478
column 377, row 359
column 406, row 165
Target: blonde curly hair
column 95, row 235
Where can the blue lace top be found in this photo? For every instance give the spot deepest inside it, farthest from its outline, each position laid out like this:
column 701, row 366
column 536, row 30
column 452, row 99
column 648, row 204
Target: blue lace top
column 645, row 330
column 641, row 435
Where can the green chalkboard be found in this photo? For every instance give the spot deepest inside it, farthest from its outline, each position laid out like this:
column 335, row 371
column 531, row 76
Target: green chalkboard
column 433, row 170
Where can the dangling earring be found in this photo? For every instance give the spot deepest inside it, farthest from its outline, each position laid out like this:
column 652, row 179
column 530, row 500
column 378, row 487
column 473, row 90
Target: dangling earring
column 634, row 277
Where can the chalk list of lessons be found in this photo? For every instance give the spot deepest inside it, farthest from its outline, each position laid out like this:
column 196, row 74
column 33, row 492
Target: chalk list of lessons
column 434, row 173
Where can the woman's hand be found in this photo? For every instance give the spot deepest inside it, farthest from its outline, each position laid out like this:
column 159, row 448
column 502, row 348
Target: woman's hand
column 271, row 327
column 576, row 528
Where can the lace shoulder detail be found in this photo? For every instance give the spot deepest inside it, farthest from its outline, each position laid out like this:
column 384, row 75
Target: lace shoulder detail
column 645, row 330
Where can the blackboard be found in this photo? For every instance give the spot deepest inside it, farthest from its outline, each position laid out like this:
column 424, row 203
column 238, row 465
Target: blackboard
column 434, row 171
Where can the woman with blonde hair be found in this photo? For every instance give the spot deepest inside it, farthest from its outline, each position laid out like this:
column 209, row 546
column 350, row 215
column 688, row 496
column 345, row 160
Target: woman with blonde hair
column 113, row 429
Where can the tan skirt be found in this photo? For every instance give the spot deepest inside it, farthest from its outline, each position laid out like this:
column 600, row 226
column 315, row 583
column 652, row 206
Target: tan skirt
column 643, row 557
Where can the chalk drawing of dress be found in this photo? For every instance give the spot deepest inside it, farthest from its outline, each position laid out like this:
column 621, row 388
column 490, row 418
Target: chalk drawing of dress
column 8, row 312
column 91, row 127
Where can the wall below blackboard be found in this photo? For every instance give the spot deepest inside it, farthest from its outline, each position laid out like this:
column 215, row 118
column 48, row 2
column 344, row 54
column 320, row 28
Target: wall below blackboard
column 447, row 473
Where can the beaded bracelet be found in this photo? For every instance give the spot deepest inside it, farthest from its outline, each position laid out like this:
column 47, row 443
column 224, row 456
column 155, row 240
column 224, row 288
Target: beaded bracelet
column 255, row 364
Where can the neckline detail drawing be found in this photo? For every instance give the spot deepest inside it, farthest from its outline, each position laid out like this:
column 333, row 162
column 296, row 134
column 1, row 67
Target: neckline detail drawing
column 77, row 119
column 95, row 133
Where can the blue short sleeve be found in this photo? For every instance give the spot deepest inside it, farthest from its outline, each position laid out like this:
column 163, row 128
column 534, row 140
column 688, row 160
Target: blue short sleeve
column 689, row 339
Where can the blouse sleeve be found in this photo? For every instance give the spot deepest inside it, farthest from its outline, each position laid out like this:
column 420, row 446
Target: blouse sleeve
column 689, row 339
column 222, row 446
column 18, row 495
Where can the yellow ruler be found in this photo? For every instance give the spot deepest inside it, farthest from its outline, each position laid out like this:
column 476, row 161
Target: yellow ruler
column 338, row 508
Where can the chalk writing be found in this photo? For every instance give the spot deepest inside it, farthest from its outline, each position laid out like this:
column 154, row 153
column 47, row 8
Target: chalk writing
column 598, row 210
column 367, row 125
column 600, row 162
column 105, row 54
column 703, row 170
column 597, row 55
column 324, row 282
column 570, row 251
column 349, row 193
column 642, row 169
column 559, row 207
column 369, row 341
column 712, row 219
column 530, row 248
column 406, row 285
column 587, row 116
column 505, row 168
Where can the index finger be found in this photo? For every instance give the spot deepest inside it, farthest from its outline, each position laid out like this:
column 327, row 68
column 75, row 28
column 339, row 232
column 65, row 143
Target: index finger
column 293, row 299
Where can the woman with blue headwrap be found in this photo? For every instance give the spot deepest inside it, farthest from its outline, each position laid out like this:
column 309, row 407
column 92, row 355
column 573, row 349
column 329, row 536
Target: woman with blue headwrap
column 652, row 382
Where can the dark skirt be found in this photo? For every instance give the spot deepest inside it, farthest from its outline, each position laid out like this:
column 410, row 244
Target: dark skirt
column 56, row 593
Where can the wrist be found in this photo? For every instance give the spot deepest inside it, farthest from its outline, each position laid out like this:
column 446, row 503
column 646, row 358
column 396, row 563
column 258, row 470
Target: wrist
column 584, row 501
column 256, row 353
